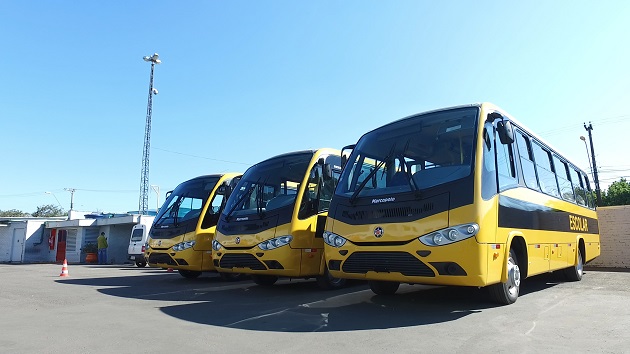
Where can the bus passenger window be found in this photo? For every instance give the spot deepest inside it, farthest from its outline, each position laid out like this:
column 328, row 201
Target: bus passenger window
column 527, row 161
column 546, row 177
column 505, row 165
column 590, row 201
column 488, row 175
column 566, row 190
column 580, row 195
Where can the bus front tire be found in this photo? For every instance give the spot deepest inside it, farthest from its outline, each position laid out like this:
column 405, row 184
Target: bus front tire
column 265, row 280
column 328, row 282
column 384, row 287
column 575, row 273
column 507, row 293
column 141, row 264
column 189, row 274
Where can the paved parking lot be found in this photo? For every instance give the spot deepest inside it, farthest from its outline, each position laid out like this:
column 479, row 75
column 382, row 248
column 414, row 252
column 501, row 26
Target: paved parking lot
column 124, row 309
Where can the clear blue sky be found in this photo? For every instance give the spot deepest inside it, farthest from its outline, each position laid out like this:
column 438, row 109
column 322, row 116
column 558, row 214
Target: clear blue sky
column 242, row 81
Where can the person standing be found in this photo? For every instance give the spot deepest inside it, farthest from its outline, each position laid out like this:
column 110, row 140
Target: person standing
column 101, row 241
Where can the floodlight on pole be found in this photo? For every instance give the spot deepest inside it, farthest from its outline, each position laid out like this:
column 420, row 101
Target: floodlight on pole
column 53, row 194
column 144, row 179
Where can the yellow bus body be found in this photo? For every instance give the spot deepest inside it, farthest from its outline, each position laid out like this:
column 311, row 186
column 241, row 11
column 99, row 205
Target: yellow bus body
column 391, row 252
column 301, row 258
column 197, row 258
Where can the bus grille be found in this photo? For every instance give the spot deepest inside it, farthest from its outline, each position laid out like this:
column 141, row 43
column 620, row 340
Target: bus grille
column 161, row 258
column 400, row 262
column 385, row 213
column 241, row 261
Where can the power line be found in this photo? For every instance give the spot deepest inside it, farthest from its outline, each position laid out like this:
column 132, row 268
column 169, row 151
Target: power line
column 203, row 157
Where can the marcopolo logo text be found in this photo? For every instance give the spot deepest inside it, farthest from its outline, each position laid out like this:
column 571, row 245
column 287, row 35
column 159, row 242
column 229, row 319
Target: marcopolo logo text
column 383, row 200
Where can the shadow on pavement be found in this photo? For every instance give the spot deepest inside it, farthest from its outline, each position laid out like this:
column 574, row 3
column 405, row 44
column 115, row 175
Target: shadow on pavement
column 300, row 306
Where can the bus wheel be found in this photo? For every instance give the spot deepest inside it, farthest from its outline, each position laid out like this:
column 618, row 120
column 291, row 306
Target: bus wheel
column 264, row 280
column 328, row 282
column 384, row 287
column 140, row 264
column 575, row 273
column 507, row 293
column 189, row 274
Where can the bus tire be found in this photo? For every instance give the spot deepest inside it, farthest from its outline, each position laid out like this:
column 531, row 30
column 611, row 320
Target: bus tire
column 507, row 293
column 189, row 274
column 380, row 287
column 328, row 282
column 575, row 272
column 141, row 264
column 264, row 280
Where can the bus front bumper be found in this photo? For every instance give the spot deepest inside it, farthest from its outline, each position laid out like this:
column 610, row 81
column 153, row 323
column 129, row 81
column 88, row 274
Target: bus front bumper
column 464, row 263
column 190, row 259
column 282, row 261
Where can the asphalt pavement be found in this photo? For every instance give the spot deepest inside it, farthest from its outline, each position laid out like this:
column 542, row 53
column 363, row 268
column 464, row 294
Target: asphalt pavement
column 124, row 309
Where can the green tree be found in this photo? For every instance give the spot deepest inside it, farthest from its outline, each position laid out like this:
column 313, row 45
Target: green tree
column 618, row 193
column 48, row 210
column 13, row 212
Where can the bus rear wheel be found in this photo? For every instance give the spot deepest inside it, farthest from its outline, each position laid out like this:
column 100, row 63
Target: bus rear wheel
column 575, row 273
column 380, row 287
column 507, row 293
column 189, row 274
column 328, row 282
column 264, row 280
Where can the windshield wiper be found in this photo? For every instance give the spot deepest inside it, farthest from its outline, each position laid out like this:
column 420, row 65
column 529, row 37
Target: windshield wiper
column 354, row 195
column 240, row 200
column 407, row 170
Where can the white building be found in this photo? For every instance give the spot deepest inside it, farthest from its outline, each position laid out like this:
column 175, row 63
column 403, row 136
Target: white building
column 31, row 240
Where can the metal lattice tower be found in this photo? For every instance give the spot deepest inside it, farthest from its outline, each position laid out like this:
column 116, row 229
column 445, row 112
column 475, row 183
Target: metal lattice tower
column 144, row 180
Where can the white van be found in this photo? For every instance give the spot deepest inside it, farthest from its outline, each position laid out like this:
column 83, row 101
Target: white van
column 137, row 244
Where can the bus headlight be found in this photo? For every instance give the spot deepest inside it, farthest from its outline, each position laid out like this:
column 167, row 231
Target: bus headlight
column 334, row 240
column 275, row 242
column 216, row 245
column 183, row 246
column 449, row 235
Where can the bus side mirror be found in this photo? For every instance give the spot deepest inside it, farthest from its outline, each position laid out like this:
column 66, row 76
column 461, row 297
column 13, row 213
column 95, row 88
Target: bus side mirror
column 506, row 132
column 345, row 153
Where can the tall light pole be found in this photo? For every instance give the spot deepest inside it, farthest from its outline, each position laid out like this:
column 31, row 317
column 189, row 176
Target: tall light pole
column 598, row 191
column 588, row 156
column 144, row 179
column 53, row 194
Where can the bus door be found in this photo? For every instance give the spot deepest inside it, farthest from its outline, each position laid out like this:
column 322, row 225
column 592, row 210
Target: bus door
column 313, row 210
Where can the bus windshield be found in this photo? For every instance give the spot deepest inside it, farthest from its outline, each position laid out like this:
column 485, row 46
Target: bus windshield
column 269, row 185
column 186, row 202
column 414, row 153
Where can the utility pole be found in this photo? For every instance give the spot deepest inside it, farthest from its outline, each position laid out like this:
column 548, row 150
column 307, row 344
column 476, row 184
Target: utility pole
column 590, row 138
column 144, row 180
column 71, row 190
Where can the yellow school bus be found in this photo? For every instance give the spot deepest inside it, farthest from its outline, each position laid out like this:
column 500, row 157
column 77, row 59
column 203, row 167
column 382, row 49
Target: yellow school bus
column 273, row 222
column 180, row 238
column 459, row 196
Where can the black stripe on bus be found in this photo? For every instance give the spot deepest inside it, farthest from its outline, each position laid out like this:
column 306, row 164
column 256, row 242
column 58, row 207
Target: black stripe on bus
column 519, row 214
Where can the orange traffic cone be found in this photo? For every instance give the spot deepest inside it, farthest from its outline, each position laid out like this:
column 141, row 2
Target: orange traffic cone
column 64, row 269
column 170, row 270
